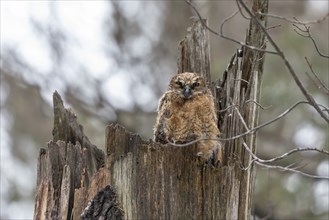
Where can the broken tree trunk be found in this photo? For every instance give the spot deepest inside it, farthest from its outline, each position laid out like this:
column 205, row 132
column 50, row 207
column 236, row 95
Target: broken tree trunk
column 237, row 96
column 138, row 179
column 69, row 163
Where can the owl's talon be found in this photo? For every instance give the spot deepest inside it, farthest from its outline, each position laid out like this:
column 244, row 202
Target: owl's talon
column 208, row 158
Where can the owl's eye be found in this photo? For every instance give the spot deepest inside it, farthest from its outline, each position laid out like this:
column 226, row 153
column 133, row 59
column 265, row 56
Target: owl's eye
column 180, row 84
column 195, row 84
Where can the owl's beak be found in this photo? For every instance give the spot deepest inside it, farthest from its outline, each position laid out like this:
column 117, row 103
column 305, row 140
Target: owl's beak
column 187, row 92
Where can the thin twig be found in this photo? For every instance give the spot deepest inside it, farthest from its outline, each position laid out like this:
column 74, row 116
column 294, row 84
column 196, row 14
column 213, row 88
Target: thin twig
column 246, row 102
column 292, row 152
column 220, row 34
column 278, row 51
column 291, row 170
column 307, row 34
column 319, row 82
column 240, row 116
column 259, row 105
column 251, row 131
column 262, row 163
column 294, row 21
column 274, row 26
column 242, row 80
column 308, row 96
column 240, row 10
column 200, row 17
column 227, row 108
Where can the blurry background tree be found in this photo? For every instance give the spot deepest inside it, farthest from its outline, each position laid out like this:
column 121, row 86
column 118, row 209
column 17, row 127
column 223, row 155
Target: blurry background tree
column 112, row 60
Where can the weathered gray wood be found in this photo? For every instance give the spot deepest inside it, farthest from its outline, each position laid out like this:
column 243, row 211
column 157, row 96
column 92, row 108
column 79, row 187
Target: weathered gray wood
column 67, row 129
column 194, row 51
column 103, row 206
column 167, row 182
column 153, row 181
column 64, row 166
column 241, row 83
column 156, row 181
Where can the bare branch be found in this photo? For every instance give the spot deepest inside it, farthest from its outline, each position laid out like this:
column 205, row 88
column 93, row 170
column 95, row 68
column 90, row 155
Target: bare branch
column 278, row 51
column 294, row 21
column 274, row 26
column 294, row 151
column 319, row 84
column 221, row 34
column 200, row 17
column 325, row 109
column 242, row 80
column 310, row 99
column 227, row 108
column 240, row 10
column 307, row 33
column 251, row 131
column 291, row 170
column 285, row 155
column 259, row 105
column 308, row 96
column 261, row 162
column 246, row 102
column 221, row 30
column 242, row 120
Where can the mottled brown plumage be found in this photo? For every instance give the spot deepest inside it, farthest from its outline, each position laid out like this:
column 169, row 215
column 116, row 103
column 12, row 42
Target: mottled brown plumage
column 186, row 112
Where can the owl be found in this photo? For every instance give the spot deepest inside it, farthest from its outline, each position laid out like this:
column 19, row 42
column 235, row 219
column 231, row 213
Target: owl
column 186, row 112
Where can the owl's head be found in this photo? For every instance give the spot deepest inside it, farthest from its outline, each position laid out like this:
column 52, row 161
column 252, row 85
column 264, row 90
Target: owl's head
column 187, row 85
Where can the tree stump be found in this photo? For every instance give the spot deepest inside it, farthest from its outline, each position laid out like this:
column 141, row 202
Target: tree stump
column 69, row 163
column 140, row 179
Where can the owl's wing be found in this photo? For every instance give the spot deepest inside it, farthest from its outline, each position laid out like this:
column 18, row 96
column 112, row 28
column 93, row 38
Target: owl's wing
column 163, row 113
column 163, row 100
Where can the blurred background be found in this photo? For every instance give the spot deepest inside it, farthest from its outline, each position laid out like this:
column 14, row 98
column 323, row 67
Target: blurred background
column 111, row 61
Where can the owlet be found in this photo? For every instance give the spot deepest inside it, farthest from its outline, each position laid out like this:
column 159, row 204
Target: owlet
column 186, row 112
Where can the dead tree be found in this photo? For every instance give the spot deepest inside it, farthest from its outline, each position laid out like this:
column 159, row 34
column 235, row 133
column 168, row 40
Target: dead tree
column 140, row 179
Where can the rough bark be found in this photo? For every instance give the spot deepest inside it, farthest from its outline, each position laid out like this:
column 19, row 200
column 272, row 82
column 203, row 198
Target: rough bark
column 103, row 206
column 69, row 163
column 237, row 94
column 138, row 179
column 194, row 52
column 156, row 181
